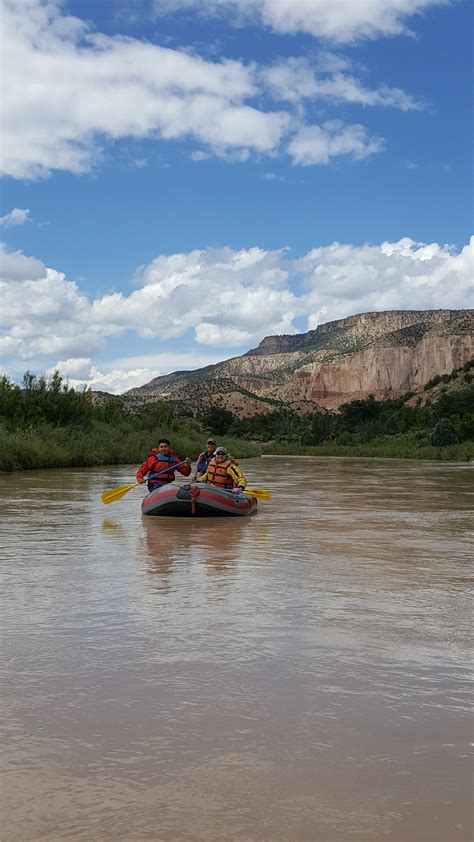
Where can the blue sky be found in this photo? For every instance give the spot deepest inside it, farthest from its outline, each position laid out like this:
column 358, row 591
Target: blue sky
column 182, row 178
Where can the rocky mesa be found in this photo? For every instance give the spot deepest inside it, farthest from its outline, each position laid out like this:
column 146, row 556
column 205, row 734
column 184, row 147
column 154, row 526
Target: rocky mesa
column 385, row 354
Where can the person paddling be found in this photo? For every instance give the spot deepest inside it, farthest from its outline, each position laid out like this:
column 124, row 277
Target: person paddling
column 160, row 459
column 204, row 458
column 224, row 472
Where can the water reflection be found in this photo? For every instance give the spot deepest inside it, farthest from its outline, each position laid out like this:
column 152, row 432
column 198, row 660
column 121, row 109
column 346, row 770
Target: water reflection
column 111, row 527
column 166, row 543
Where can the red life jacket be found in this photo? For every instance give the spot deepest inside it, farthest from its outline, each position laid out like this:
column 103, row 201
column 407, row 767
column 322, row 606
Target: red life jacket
column 217, row 474
column 161, row 461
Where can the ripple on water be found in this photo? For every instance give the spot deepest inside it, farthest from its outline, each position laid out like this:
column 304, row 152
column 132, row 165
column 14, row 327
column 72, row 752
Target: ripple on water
column 301, row 674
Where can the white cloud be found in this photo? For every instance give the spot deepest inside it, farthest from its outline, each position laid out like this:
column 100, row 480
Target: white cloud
column 42, row 314
column 226, row 299
column 241, row 294
column 70, row 88
column 273, row 176
column 75, row 367
column 165, row 361
column 72, row 92
column 199, row 155
column 236, row 292
column 128, row 372
column 341, row 21
column 14, row 266
column 208, row 333
column 116, row 381
column 296, row 79
column 343, row 279
column 318, row 144
column 17, row 216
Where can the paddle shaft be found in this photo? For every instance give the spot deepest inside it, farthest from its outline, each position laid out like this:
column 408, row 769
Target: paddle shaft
column 116, row 493
column 170, row 467
column 253, row 492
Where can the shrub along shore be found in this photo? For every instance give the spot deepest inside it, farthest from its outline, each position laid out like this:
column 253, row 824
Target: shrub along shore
column 46, row 424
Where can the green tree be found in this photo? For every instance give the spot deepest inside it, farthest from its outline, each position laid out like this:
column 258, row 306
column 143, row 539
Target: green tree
column 10, row 399
column 322, row 427
column 443, row 433
column 156, row 417
column 114, row 410
column 217, row 420
column 359, row 413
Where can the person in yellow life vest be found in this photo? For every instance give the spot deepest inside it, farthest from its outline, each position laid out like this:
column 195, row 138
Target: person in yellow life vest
column 224, row 472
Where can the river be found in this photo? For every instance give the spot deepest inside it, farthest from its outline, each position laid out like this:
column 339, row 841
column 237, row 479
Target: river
column 301, row 675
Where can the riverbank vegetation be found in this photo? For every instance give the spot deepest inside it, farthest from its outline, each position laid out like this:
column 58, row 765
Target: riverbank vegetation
column 440, row 429
column 46, row 424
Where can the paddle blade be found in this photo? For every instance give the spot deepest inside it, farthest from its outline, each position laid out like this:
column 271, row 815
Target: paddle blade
column 117, row 493
column 259, row 493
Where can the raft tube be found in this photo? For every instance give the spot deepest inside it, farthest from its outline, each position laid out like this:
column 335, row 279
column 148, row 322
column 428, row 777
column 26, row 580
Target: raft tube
column 209, row 501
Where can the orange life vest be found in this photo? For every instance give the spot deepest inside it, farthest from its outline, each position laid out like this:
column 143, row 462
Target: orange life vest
column 217, row 473
column 161, row 462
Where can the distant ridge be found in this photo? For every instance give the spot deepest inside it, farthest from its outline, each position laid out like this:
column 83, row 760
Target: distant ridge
column 386, row 354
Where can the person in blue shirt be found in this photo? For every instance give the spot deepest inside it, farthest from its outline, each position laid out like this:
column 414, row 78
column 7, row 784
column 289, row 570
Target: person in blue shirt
column 204, row 458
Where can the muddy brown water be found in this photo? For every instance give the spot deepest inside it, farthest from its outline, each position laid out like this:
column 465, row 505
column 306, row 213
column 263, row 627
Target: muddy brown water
column 302, row 674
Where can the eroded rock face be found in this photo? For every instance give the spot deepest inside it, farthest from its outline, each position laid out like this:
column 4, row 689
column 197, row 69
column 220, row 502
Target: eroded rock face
column 383, row 354
column 384, row 372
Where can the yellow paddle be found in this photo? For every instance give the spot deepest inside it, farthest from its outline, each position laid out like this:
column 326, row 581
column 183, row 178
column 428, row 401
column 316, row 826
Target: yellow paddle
column 259, row 493
column 116, row 493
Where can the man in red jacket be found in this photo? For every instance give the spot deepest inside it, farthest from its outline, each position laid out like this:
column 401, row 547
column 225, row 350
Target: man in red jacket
column 162, row 458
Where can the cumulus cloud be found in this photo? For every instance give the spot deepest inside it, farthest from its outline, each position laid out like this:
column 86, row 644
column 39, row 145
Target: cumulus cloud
column 42, row 314
column 88, row 86
column 318, row 144
column 235, row 291
column 216, row 301
column 14, row 266
column 72, row 91
column 116, row 381
column 221, row 297
column 73, row 368
column 128, row 372
column 17, row 216
column 340, row 21
column 343, row 279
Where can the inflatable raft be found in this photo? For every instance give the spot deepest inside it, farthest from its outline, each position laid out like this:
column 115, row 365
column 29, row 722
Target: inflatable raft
column 198, row 500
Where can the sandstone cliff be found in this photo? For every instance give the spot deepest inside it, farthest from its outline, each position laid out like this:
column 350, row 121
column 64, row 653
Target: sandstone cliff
column 384, row 354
